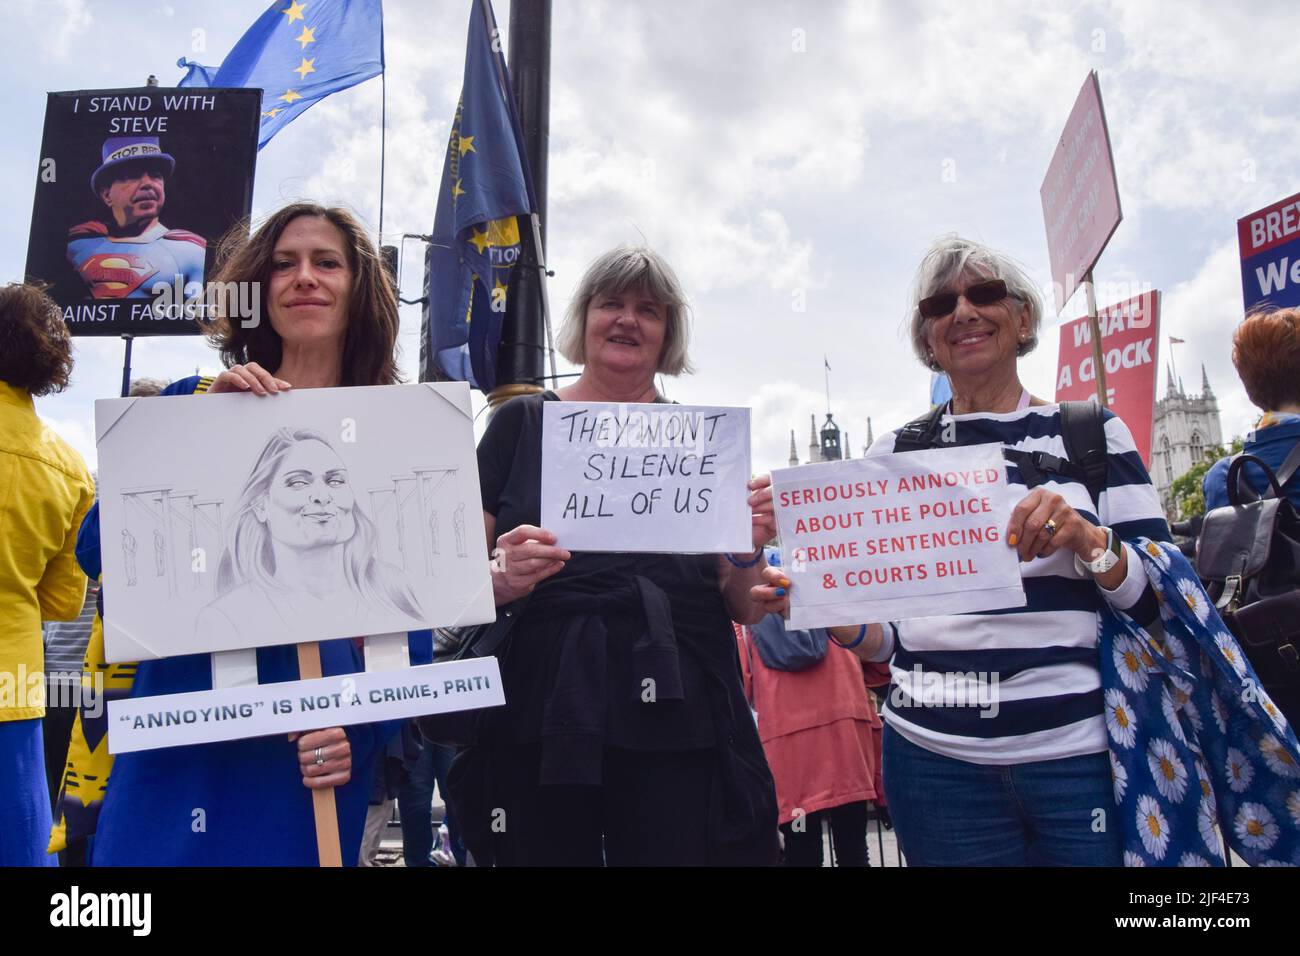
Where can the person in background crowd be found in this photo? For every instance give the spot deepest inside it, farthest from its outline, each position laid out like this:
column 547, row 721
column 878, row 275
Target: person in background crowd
column 332, row 313
column 1266, row 352
column 425, row 765
column 45, row 492
column 65, row 649
column 588, row 769
column 1014, row 782
column 818, row 728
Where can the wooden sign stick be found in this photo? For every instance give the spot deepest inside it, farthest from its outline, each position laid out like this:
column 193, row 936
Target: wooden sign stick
column 323, row 806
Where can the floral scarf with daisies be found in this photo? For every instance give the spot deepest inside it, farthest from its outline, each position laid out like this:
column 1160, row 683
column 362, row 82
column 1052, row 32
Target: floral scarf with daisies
column 1198, row 752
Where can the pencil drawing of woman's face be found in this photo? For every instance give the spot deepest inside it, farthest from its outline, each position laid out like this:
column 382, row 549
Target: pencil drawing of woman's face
column 310, row 500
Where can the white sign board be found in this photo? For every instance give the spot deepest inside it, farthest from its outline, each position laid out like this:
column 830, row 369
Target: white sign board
column 646, row 477
column 232, row 521
column 234, row 713
column 895, row 537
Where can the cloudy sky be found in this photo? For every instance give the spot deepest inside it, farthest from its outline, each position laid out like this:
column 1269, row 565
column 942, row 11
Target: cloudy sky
column 793, row 160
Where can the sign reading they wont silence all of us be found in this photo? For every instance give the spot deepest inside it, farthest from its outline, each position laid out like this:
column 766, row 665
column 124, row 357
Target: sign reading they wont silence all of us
column 646, row 477
column 896, row 537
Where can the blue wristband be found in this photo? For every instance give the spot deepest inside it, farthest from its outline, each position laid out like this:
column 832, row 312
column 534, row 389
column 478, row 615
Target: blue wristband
column 862, row 633
column 758, row 556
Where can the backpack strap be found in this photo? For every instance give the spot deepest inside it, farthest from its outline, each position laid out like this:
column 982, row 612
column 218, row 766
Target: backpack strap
column 920, row 433
column 1083, row 429
column 1083, row 433
column 1287, row 470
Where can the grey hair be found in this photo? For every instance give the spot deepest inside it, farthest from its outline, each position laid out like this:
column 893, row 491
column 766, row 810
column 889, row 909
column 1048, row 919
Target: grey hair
column 630, row 268
column 945, row 262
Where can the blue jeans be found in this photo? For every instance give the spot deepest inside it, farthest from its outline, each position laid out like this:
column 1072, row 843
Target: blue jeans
column 414, row 805
column 953, row 813
column 24, row 795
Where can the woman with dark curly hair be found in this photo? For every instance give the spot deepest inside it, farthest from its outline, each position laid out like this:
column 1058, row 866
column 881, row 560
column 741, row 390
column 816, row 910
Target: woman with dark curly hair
column 45, row 491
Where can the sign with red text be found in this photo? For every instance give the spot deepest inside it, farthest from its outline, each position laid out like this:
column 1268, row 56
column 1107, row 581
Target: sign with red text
column 1080, row 194
column 1270, row 255
column 646, row 477
column 1130, row 345
column 896, row 537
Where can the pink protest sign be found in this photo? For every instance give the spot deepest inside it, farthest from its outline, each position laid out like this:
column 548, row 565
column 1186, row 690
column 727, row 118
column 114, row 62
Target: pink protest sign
column 1080, row 194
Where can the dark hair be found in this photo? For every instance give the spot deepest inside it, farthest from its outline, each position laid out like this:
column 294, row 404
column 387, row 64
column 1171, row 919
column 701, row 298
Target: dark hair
column 369, row 347
column 35, row 348
column 1266, row 351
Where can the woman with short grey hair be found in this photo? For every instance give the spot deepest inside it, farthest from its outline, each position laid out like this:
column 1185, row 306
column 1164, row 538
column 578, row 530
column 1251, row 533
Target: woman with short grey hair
column 949, row 258
column 626, row 737
column 1019, row 783
column 624, row 268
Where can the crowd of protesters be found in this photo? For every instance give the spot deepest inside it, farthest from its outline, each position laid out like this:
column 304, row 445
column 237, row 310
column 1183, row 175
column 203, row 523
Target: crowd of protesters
column 760, row 739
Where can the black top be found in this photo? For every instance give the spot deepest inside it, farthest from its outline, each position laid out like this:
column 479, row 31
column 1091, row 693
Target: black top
column 625, row 650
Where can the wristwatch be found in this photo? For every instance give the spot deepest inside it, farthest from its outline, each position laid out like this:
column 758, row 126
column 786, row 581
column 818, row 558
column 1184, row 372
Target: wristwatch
column 1104, row 561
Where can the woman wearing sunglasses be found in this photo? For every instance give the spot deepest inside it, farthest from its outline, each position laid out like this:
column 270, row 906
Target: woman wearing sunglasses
column 1027, row 782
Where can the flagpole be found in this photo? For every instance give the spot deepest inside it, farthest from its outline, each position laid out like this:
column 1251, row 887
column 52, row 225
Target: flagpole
column 542, row 273
column 827, row 363
column 525, row 84
column 383, row 129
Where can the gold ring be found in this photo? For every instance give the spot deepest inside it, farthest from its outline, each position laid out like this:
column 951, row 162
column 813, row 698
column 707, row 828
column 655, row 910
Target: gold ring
column 1050, row 527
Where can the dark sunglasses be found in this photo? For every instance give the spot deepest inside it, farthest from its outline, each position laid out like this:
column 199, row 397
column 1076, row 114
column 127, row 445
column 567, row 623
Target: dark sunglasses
column 981, row 293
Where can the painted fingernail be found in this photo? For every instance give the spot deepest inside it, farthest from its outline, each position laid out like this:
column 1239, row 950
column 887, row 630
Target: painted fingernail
column 1012, row 540
column 784, row 582
column 780, row 592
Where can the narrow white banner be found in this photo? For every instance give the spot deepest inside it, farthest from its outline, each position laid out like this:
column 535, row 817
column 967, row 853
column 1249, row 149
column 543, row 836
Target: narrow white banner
column 895, row 537
column 171, row 720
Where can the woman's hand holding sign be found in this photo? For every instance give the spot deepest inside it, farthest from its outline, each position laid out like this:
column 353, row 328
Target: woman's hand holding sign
column 1043, row 524
column 773, row 595
column 762, row 509
column 248, row 378
column 522, row 559
column 325, row 758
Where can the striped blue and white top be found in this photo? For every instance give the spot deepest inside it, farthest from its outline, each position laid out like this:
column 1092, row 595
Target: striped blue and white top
column 1023, row 684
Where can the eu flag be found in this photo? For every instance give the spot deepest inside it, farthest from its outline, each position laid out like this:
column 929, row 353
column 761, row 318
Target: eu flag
column 475, row 241
column 299, row 52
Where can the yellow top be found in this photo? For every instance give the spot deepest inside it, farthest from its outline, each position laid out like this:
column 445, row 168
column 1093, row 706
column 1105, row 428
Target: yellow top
column 45, row 491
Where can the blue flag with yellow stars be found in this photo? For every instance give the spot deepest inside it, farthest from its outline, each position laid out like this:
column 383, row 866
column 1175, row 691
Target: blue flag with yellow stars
column 476, row 240
column 299, row 52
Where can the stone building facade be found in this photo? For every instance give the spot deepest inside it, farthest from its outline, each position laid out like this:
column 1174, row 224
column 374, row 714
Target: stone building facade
column 1185, row 428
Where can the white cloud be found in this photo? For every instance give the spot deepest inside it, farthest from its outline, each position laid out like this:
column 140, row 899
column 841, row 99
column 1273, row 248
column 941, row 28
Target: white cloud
column 1205, row 310
column 763, row 161
column 53, row 24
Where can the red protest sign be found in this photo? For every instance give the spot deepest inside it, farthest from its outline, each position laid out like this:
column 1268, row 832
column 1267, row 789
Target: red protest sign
column 896, row 537
column 1080, row 194
column 1130, row 339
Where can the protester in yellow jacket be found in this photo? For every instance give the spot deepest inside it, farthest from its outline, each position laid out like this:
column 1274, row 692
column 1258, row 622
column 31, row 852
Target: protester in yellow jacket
column 45, row 491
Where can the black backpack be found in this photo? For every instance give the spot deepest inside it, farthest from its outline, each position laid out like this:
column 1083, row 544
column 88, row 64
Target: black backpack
column 1082, row 429
column 1249, row 559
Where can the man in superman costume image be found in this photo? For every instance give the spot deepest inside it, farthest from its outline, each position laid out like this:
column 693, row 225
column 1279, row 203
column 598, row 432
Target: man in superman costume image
column 125, row 257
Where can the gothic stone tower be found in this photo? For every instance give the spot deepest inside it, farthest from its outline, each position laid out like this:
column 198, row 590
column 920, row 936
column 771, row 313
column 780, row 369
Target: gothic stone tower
column 1185, row 427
